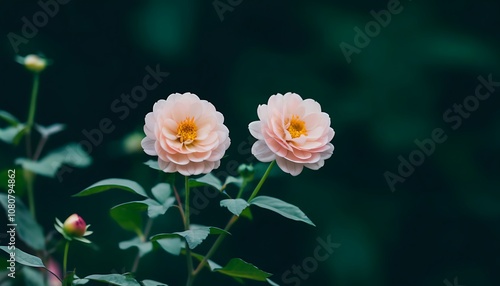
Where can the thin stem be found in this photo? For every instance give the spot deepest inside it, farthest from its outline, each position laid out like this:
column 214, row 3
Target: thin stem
column 179, row 202
column 143, row 238
column 216, row 245
column 262, row 180
column 39, row 148
column 242, row 188
column 190, row 277
column 232, row 221
column 65, row 259
column 31, row 114
column 29, row 177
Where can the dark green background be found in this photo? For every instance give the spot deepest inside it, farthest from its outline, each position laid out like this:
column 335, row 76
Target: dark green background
column 441, row 223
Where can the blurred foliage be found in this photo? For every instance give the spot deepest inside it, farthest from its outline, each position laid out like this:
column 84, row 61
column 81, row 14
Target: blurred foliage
column 441, row 223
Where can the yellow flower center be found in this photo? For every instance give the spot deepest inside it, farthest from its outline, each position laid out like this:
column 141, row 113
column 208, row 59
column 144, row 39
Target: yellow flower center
column 186, row 130
column 297, row 127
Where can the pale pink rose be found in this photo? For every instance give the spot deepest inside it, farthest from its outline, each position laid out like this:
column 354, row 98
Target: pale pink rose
column 292, row 131
column 187, row 134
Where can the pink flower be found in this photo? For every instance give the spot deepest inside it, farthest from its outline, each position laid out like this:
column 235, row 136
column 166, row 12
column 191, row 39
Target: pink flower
column 292, row 131
column 187, row 134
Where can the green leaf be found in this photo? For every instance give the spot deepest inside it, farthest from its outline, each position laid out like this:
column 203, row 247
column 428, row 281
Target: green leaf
column 69, row 279
column 128, row 215
column 272, row 282
column 11, row 119
column 152, row 283
column 210, row 264
column 206, row 180
column 233, row 180
column 172, row 245
column 162, row 192
column 153, row 164
column 143, row 247
column 114, row 279
column 278, row 206
column 27, row 228
column 71, row 154
column 46, row 131
column 33, row 277
column 236, row 206
column 194, row 236
column 109, row 184
column 11, row 134
column 247, row 213
column 241, row 269
column 24, row 258
column 156, row 209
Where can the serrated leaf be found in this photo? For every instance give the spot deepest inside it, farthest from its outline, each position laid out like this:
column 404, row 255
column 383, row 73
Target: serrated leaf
column 152, row 283
column 172, row 245
column 114, row 279
column 71, row 154
column 236, row 267
column 143, row 247
column 206, row 180
column 47, row 131
column 162, row 192
column 283, row 208
column 25, row 258
column 11, row 119
column 193, row 237
column 153, row 164
column 128, row 215
column 27, row 229
column 155, row 208
column 110, row 184
column 236, row 206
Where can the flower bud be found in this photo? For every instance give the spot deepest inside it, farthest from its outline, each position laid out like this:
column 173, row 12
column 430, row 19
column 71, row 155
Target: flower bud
column 246, row 171
column 74, row 226
column 35, row 63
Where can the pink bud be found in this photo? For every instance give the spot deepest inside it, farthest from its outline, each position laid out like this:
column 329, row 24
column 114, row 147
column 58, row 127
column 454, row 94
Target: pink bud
column 74, row 226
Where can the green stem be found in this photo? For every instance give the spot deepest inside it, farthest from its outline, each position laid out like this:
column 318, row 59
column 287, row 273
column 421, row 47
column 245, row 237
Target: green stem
column 143, row 237
column 215, row 246
column 181, row 209
column 243, row 185
column 65, row 259
column 190, row 276
column 262, row 180
column 31, row 118
column 34, row 96
column 29, row 177
column 231, row 222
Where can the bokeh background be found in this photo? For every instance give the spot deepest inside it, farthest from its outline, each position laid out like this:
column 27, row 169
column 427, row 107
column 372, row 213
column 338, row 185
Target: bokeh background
column 442, row 222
